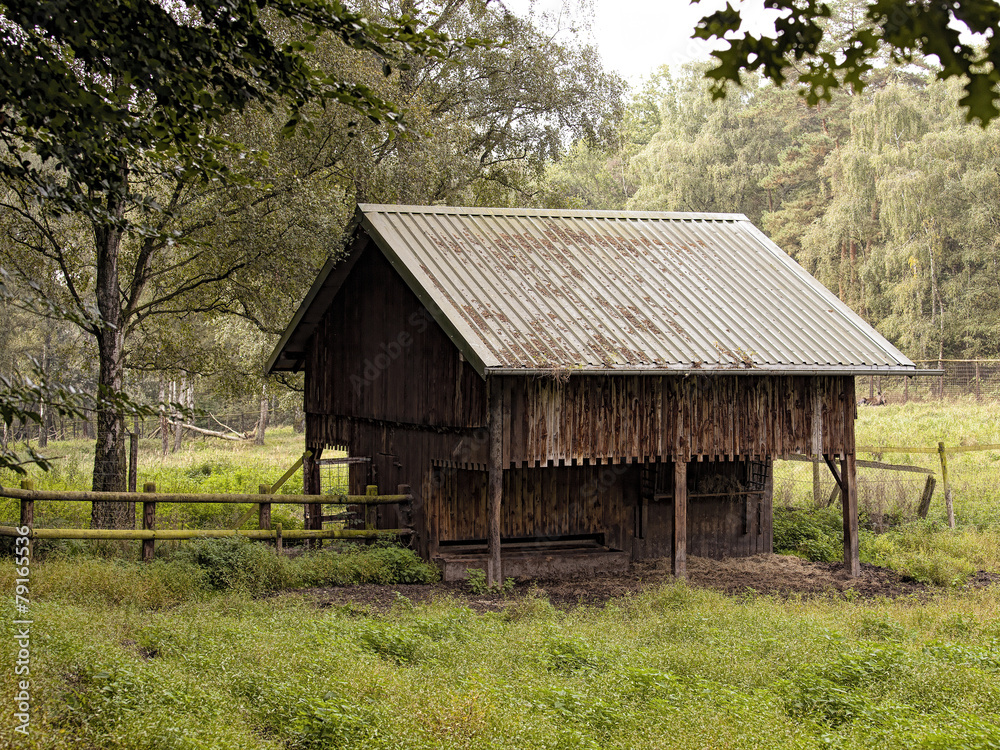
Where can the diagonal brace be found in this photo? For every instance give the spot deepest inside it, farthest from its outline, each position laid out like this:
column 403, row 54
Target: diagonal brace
column 836, row 475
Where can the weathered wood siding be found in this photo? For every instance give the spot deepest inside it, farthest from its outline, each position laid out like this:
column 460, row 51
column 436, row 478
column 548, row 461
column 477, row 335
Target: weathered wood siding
column 610, row 503
column 538, row 504
column 386, row 382
column 622, row 418
column 378, row 354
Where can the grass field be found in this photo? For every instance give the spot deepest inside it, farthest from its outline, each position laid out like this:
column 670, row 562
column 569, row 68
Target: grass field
column 196, row 651
column 675, row 667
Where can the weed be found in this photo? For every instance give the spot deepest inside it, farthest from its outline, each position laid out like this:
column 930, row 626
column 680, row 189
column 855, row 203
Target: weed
column 476, row 580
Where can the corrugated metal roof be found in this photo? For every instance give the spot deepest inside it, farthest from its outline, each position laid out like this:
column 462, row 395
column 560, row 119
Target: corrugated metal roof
column 523, row 290
column 601, row 290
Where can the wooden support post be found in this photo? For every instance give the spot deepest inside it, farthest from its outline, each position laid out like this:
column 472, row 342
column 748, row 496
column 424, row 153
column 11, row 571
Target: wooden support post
column 979, row 393
column 925, row 499
column 28, row 512
column 679, row 566
column 849, row 479
column 133, row 461
column 313, row 513
column 817, row 446
column 494, row 569
column 947, row 485
column 370, row 491
column 148, row 522
column 411, row 516
column 264, row 509
column 906, row 389
column 279, row 548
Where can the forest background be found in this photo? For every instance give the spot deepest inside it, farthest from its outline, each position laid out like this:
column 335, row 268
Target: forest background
column 889, row 196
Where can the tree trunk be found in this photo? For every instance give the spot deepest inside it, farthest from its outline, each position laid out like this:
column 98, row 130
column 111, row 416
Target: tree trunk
column 110, row 464
column 262, row 424
column 164, row 436
column 178, row 429
column 43, row 410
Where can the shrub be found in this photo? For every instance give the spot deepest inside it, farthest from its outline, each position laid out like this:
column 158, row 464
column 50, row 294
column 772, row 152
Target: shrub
column 816, row 535
column 237, row 563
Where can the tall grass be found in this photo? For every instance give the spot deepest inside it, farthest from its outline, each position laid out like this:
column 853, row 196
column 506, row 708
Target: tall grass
column 895, row 538
column 672, row 668
column 202, row 466
column 207, row 566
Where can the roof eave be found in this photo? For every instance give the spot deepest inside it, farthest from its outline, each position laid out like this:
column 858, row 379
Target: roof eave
column 713, row 370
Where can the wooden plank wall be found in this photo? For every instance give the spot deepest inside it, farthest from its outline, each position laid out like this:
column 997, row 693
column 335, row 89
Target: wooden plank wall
column 378, row 354
column 586, row 419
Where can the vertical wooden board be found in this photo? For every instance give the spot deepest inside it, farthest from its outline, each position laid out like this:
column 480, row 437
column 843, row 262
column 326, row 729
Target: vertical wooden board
column 527, row 501
column 848, row 472
column 679, row 559
column 568, row 511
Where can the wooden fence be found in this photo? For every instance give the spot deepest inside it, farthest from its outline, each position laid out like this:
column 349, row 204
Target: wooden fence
column 149, row 498
column 942, row 452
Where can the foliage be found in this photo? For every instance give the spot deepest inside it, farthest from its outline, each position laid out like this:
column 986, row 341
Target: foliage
column 933, row 554
column 674, row 667
column 906, row 30
column 202, row 568
column 476, row 581
column 814, row 535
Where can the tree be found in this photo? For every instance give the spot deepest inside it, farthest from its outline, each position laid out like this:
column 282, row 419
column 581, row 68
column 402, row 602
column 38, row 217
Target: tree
column 111, row 115
column 906, row 31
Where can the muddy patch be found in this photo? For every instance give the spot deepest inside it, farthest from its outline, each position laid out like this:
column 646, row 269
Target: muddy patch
column 777, row 575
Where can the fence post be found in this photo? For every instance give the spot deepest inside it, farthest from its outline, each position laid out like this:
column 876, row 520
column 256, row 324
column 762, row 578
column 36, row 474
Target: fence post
column 148, row 522
column 947, row 486
column 979, row 394
column 411, row 515
column 278, row 545
column 925, row 499
column 371, row 491
column 28, row 512
column 264, row 509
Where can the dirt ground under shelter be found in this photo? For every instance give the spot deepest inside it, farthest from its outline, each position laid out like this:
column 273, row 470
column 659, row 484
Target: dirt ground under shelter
column 780, row 575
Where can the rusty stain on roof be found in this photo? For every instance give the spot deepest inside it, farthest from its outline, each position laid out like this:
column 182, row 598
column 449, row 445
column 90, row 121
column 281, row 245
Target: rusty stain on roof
column 537, row 289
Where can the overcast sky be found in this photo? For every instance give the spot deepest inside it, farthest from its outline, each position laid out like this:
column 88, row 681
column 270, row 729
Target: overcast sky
column 637, row 36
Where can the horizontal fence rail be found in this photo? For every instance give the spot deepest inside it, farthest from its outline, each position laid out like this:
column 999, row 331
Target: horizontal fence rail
column 145, row 534
column 175, row 497
column 149, row 499
column 941, row 450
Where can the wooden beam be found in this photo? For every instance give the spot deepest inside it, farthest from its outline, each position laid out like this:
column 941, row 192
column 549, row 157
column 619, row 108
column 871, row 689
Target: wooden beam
column 288, row 474
column 949, row 507
column 494, row 570
column 148, row 523
column 849, row 476
column 925, row 499
column 817, row 443
column 28, row 511
column 263, row 510
column 836, row 474
column 679, row 564
column 174, row 497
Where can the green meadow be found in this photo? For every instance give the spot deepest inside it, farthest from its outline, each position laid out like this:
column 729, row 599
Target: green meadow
column 210, row 646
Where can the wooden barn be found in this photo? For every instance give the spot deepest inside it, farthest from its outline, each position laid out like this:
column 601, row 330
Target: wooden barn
column 569, row 391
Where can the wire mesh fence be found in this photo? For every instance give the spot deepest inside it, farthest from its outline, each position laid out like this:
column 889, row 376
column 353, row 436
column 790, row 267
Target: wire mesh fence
column 885, row 497
column 961, row 379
